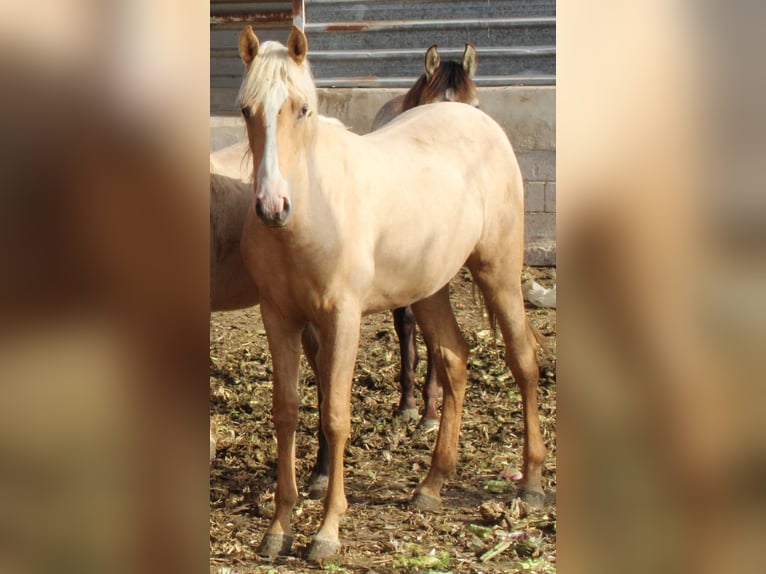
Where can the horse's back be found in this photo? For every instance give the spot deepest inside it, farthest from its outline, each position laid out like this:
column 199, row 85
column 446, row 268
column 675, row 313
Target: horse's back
column 445, row 126
column 447, row 140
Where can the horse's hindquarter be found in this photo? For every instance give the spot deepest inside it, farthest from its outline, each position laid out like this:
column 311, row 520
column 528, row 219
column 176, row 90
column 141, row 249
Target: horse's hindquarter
column 230, row 196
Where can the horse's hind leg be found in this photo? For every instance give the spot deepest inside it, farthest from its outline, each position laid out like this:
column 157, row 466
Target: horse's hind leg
column 500, row 285
column 319, row 474
column 450, row 354
column 404, row 323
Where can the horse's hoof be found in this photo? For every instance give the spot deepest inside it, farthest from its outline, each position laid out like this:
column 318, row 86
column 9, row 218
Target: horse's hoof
column 318, row 487
column 322, row 549
column 533, row 498
column 274, row 545
column 428, row 425
column 426, row 503
column 408, row 415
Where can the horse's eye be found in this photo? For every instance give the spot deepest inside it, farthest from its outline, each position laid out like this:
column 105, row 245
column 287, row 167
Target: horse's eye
column 303, row 111
column 246, row 113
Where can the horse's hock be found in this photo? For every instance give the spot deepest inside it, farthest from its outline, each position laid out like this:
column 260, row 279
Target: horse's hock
column 526, row 113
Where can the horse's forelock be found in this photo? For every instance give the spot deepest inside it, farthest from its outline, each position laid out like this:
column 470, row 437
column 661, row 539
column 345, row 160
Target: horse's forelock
column 274, row 69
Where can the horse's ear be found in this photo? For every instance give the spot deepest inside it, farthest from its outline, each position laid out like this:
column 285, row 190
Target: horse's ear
column 297, row 45
column 432, row 61
column 470, row 61
column 248, row 45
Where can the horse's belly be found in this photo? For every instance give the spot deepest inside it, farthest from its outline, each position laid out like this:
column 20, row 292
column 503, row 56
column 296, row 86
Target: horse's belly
column 407, row 271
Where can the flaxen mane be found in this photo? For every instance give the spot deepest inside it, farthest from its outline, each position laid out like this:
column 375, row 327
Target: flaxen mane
column 273, row 69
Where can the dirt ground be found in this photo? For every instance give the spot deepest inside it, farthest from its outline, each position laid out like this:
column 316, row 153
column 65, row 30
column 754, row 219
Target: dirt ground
column 481, row 528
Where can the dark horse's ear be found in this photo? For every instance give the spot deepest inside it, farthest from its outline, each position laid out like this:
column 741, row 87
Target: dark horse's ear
column 248, row 45
column 432, row 61
column 297, row 45
column 470, row 61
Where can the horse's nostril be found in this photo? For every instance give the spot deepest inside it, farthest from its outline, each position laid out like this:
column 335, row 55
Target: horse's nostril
column 287, row 208
column 259, row 209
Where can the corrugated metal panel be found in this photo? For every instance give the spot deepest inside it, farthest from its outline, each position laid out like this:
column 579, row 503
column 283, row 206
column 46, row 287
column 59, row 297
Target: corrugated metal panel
column 382, row 42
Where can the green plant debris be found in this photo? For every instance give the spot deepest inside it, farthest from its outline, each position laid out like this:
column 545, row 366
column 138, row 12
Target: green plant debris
column 498, row 548
column 332, row 567
column 433, row 560
column 537, row 565
column 499, row 486
column 480, row 531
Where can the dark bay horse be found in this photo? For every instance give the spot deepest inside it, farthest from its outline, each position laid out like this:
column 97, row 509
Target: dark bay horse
column 344, row 225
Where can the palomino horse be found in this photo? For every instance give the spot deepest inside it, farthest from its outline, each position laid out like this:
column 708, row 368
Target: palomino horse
column 448, row 82
column 344, row 225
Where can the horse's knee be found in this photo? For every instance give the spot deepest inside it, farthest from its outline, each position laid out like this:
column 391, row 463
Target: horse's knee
column 336, row 426
column 285, row 416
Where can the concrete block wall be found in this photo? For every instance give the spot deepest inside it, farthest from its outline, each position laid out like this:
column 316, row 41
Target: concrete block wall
column 527, row 114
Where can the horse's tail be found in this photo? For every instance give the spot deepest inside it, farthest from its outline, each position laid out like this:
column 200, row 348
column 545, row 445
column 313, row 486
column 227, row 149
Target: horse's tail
column 541, row 341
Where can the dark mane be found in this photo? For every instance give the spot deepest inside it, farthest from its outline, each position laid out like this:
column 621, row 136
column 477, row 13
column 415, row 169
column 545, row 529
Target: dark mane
column 448, row 76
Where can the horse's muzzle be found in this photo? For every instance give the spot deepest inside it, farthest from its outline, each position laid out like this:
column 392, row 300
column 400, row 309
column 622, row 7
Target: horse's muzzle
column 274, row 218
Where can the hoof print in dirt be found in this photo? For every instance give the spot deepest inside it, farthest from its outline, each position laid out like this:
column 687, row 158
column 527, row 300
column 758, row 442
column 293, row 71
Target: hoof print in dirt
column 425, row 503
column 274, row 545
column 321, row 550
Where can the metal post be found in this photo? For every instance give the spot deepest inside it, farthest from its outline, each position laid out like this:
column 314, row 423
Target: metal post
column 299, row 19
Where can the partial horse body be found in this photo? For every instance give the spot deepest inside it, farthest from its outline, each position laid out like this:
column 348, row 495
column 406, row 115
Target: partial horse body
column 231, row 193
column 441, row 82
column 343, row 225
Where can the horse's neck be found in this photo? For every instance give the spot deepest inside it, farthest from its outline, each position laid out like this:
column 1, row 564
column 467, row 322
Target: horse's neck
column 322, row 189
column 412, row 97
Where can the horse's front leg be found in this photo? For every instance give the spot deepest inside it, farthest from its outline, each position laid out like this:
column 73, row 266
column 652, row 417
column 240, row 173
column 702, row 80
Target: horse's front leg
column 284, row 338
column 339, row 340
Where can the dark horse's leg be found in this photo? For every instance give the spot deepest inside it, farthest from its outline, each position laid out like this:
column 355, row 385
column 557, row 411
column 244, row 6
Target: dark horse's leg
column 404, row 323
column 320, row 472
